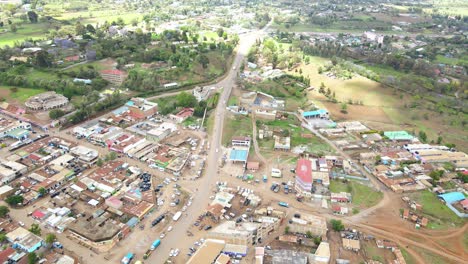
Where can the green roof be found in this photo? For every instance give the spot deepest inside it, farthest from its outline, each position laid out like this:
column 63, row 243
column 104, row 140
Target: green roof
column 18, row 132
column 398, row 135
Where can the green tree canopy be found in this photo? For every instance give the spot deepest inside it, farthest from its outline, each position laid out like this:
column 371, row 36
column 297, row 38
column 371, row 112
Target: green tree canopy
column 4, row 211
column 14, row 199
column 337, row 225
column 35, row 229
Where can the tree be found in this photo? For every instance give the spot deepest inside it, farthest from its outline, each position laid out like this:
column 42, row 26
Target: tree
column 337, row 225
column 13, row 28
column 344, row 108
column 35, row 229
column 14, row 200
column 32, row 16
column 317, row 240
column 322, row 88
column 42, row 191
column 203, row 60
column 3, row 237
column 14, row 89
column 423, row 136
column 90, row 29
column 50, row 238
column 42, row 59
column 286, row 230
column 99, row 162
column 309, row 234
column 185, row 99
column 4, row 211
column 56, row 113
column 32, row 258
column 439, row 140
column 220, row 32
column 80, row 29
column 378, row 158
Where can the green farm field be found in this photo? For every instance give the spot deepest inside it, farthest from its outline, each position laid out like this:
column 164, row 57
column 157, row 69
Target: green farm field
column 384, row 108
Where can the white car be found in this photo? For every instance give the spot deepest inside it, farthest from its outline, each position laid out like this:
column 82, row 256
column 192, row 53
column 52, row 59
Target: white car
column 162, row 235
column 169, row 229
column 21, row 223
column 189, row 203
column 171, row 253
column 176, row 252
column 217, row 150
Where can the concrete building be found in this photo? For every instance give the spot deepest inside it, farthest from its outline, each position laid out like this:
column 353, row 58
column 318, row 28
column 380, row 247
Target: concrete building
column 321, row 113
column 16, row 130
column 282, row 143
column 46, row 101
column 207, row 252
column 10, row 170
column 304, row 176
column 113, row 76
column 241, row 142
column 84, row 154
column 322, row 254
column 244, row 233
column 24, row 240
column 141, row 108
column 202, row 93
column 317, row 225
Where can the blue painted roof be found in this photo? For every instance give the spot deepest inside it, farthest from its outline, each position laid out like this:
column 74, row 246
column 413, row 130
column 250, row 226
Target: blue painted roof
column 130, row 103
column 239, row 155
column 315, row 113
column 452, row 197
column 120, row 110
column 132, row 222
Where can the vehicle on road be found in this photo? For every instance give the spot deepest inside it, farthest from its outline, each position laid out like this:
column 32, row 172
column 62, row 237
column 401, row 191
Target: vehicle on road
column 21, row 223
column 283, row 204
column 128, row 258
column 177, row 216
column 265, row 178
column 162, row 235
column 155, row 244
column 169, row 229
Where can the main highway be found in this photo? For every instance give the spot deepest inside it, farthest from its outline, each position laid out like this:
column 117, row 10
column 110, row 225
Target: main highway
column 178, row 238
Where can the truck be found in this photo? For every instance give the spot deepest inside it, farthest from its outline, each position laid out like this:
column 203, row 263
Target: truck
column 265, row 178
column 155, row 244
column 283, row 204
column 128, row 258
column 177, row 216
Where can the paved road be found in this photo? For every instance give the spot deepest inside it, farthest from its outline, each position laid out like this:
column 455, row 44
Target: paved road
column 177, row 238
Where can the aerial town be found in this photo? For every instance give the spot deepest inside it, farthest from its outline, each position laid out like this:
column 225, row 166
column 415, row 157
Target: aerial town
column 233, row 132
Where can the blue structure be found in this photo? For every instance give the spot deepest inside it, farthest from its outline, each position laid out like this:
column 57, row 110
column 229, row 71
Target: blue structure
column 132, row 222
column 321, row 113
column 120, row 110
column 239, row 155
column 452, row 197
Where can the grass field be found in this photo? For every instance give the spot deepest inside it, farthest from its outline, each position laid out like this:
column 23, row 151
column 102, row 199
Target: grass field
column 439, row 215
column 432, row 258
column 238, row 125
column 362, row 195
column 385, row 108
column 21, row 95
column 24, row 31
column 408, row 258
column 314, row 144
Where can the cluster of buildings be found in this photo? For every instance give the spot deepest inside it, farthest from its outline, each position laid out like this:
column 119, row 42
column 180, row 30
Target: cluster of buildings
column 158, row 143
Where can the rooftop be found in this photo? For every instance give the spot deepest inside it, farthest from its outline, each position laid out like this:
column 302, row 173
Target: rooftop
column 239, row 155
column 207, row 252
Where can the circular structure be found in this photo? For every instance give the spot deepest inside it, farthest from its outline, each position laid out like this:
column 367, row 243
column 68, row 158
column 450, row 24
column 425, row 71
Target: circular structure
column 46, row 101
